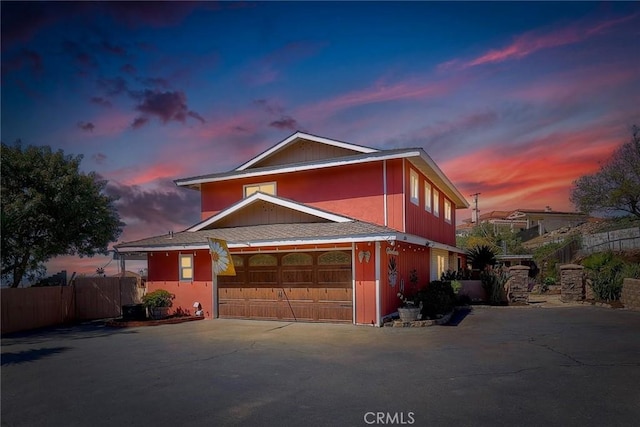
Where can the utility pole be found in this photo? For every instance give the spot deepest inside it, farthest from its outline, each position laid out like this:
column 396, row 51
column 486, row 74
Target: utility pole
column 475, row 218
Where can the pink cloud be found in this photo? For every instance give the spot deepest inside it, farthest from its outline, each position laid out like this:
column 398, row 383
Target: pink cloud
column 409, row 89
column 534, row 41
column 141, row 175
column 539, row 173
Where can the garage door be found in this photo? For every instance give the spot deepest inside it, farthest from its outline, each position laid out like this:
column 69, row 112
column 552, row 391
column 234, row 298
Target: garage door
column 298, row 286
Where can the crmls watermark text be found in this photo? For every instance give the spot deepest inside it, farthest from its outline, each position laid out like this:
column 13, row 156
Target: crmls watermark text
column 389, row 418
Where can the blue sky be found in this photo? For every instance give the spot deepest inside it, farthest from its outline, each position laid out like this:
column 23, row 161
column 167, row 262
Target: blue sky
column 512, row 100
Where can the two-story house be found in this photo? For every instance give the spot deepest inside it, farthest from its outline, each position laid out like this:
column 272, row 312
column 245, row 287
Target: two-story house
column 318, row 230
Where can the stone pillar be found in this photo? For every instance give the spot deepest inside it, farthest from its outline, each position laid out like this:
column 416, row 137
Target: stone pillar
column 631, row 294
column 519, row 284
column 572, row 283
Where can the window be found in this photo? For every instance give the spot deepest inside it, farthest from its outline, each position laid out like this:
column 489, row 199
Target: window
column 427, row 197
column 186, row 268
column 436, row 203
column 447, row 211
column 414, row 183
column 265, row 187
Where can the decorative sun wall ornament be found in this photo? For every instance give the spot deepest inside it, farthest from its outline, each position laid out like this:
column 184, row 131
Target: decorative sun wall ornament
column 220, row 258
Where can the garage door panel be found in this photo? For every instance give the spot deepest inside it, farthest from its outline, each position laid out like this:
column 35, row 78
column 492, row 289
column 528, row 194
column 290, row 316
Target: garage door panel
column 263, row 277
column 301, row 277
column 297, row 311
column 334, row 312
column 293, row 286
column 268, row 310
column 334, row 276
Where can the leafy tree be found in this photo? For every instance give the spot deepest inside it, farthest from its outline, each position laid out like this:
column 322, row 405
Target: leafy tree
column 50, row 208
column 616, row 187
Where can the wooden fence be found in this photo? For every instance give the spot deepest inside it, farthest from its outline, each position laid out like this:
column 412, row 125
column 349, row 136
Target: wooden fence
column 88, row 298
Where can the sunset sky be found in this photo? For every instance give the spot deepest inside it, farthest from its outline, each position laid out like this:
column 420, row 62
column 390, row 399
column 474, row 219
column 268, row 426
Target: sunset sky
column 512, row 100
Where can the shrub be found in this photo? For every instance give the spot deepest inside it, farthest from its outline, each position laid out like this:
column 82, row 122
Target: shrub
column 493, row 282
column 437, row 299
column 605, row 271
column 548, row 281
column 481, row 256
column 631, row 271
column 158, row 298
column 456, row 286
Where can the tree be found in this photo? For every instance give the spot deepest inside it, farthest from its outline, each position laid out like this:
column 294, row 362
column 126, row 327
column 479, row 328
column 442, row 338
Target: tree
column 50, row 208
column 616, row 187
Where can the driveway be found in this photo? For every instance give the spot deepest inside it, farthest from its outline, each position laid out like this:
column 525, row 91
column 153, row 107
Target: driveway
column 498, row 366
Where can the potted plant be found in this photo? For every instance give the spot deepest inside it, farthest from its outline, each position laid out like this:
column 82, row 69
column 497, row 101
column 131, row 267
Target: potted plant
column 158, row 302
column 408, row 310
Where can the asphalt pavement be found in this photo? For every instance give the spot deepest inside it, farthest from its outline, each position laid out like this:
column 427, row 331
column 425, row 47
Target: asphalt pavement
column 506, row 366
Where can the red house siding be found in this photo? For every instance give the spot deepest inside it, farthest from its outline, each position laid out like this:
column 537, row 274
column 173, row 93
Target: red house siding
column 395, row 195
column 365, row 277
column 186, row 294
column 409, row 257
column 422, row 222
column 354, row 190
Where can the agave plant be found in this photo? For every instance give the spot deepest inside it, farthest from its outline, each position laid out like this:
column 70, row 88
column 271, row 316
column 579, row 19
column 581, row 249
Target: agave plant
column 481, row 256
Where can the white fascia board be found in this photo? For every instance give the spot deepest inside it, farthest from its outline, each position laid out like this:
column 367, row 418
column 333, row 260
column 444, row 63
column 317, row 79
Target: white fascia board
column 292, row 242
column 434, row 167
column 271, row 199
column 417, row 240
column 301, row 135
column 288, row 169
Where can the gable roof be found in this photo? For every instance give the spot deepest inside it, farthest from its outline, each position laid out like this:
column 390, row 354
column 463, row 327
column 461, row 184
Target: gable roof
column 281, row 146
column 268, row 235
column 278, row 201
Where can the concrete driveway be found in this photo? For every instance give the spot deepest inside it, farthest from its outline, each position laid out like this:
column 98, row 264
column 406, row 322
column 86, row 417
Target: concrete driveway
column 499, row 366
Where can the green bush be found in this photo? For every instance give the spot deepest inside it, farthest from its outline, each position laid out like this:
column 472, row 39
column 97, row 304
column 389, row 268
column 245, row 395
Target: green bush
column 481, row 256
column 548, row 281
column 493, row 282
column 631, row 271
column 158, row 298
column 437, row 299
column 606, row 272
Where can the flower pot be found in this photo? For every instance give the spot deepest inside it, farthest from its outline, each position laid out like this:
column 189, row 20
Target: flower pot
column 408, row 314
column 159, row 312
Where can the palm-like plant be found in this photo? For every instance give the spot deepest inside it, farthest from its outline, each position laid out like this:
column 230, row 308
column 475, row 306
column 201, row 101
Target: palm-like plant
column 481, row 256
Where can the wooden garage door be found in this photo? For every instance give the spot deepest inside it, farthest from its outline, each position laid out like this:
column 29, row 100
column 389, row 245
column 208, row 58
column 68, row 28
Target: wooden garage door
column 296, row 286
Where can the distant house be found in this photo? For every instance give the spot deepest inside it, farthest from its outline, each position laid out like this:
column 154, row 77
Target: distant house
column 499, row 220
column 529, row 223
column 547, row 220
column 318, row 229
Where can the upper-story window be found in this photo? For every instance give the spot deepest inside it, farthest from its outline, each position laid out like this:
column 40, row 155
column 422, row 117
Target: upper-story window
column 436, row 203
column 447, row 211
column 186, row 268
column 414, row 184
column 427, row 197
column 265, row 187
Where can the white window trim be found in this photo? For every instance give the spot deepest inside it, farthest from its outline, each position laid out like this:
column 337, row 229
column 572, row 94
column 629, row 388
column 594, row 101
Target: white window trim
column 436, row 203
column 427, row 196
column 260, row 184
column 447, row 210
column 180, row 267
column 414, row 186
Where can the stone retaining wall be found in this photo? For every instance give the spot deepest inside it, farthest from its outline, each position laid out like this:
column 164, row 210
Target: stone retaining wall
column 572, row 283
column 631, row 294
